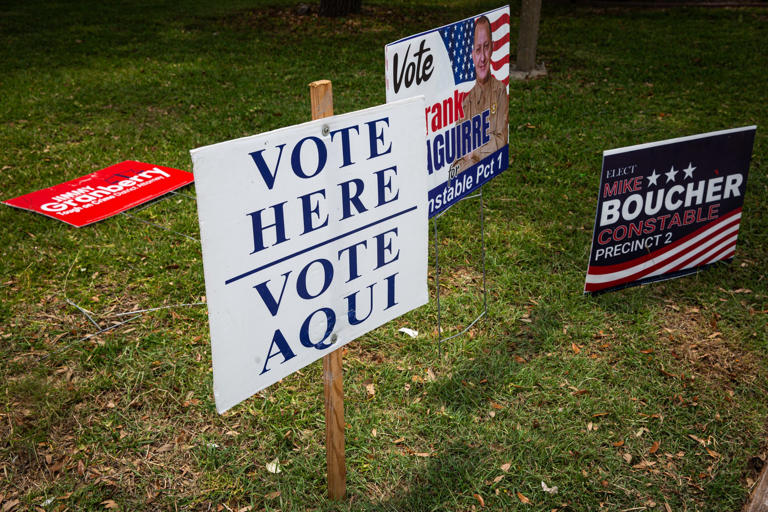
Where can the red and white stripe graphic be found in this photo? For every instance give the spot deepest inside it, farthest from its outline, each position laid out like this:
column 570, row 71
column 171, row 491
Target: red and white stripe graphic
column 713, row 242
column 500, row 55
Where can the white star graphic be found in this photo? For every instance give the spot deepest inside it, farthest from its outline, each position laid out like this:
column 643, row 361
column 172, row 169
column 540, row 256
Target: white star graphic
column 652, row 178
column 689, row 171
column 671, row 174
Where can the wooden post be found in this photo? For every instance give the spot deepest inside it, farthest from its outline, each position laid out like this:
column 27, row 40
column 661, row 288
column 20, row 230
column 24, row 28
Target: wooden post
column 528, row 36
column 321, row 99
column 334, row 426
column 321, row 96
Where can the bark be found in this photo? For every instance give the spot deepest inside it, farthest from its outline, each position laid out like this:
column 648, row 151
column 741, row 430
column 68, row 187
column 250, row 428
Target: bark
column 530, row 14
column 336, row 8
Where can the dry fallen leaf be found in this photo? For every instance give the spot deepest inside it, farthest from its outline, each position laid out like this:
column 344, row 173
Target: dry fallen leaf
column 274, row 466
column 480, row 499
column 505, row 467
column 627, row 457
column 654, row 448
column 110, row 504
column 548, row 489
column 58, row 466
column 371, row 389
column 523, row 498
column 575, row 348
column 10, row 505
column 498, row 479
column 272, row 495
column 712, row 453
column 618, row 443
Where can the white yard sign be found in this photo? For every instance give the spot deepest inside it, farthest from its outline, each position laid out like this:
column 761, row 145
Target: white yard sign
column 312, row 236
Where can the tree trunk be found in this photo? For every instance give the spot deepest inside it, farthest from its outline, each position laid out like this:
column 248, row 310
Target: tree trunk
column 335, row 8
column 530, row 14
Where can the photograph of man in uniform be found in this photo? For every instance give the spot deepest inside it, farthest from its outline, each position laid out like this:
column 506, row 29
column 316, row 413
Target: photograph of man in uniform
column 487, row 94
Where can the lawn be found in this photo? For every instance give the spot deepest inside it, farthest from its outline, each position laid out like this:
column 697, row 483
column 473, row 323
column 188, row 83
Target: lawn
column 650, row 398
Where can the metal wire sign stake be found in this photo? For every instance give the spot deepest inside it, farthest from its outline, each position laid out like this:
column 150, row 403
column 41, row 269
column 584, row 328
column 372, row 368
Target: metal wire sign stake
column 437, row 274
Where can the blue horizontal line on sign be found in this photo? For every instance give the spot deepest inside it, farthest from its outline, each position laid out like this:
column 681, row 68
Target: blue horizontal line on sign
column 312, row 248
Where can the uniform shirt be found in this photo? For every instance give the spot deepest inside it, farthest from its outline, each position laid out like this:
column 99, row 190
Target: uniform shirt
column 492, row 96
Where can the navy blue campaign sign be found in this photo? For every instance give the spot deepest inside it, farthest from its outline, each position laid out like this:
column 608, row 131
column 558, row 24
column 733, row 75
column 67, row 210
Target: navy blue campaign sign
column 462, row 69
column 668, row 209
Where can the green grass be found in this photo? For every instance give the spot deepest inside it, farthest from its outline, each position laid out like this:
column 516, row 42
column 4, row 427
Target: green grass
column 552, row 386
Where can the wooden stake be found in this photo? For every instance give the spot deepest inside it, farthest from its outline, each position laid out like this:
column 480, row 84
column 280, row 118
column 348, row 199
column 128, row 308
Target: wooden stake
column 321, row 97
column 334, row 426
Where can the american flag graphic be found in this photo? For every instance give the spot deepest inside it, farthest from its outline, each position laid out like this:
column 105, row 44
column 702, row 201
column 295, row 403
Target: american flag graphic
column 438, row 64
column 458, row 39
column 714, row 242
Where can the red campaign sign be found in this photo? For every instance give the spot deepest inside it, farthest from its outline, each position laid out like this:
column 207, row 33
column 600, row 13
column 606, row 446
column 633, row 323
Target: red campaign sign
column 104, row 193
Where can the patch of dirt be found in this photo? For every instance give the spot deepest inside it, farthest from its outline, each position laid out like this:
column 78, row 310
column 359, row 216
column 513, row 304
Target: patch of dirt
column 459, row 279
column 714, row 356
column 302, row 19
column 359, row 352
column 295, row 19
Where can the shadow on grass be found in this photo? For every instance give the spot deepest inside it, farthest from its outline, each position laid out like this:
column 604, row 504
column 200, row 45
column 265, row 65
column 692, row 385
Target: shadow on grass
column 446, row 478
column 466, row 448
